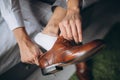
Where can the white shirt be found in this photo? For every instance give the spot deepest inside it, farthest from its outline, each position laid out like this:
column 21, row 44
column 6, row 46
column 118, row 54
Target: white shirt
column 10, row 11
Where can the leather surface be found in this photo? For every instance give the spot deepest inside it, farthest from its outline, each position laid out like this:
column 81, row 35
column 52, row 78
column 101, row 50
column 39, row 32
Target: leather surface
column 64, row 52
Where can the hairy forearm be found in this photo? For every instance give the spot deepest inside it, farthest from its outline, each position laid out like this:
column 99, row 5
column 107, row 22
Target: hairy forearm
column 58, row 14
column 53, row 24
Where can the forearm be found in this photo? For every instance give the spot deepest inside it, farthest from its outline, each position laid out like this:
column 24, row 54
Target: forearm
column 21, row 35
column 53, row 24
column 58, row 14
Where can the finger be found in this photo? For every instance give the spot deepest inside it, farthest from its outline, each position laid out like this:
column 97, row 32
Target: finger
column 26, row 60
column 79, row 29
column 30, row 62
column 68, row 30
column 60, row 34
column 63, row 31
column 36, row 60
column 74, row 31
column 40, row 53
column 23, row 61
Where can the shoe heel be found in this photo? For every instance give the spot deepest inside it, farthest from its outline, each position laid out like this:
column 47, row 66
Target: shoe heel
column 51, row 69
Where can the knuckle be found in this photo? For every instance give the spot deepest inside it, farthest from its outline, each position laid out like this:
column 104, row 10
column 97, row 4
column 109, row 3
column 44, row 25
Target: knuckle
column 71, row 21
column 70, row 37
column 75, row 36
column 78, row 19
column 34, row 56
column 65, row 36
column 66, row 22
column 60, row 24
column 79, row 32
column 69, row 34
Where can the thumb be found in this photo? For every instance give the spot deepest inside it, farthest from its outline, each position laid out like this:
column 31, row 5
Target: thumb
column 36, row 61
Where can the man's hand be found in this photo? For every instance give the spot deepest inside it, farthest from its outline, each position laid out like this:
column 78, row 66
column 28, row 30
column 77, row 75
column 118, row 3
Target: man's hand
column 70, row 26
column 29, row 51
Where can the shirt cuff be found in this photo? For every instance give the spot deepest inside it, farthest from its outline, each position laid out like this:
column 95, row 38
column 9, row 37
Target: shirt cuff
column 10, row 10
column 14, row 20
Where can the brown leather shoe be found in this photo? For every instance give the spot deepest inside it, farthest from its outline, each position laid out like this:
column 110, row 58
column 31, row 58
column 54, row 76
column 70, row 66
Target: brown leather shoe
column 82, row 71
column 63, row 54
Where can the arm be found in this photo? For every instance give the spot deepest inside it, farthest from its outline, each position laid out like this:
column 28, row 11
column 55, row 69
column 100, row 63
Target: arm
column 70, row 26
column 10, row 10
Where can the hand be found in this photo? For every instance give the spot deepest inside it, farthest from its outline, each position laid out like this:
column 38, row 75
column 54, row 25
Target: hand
column 70, row 26
column 30, row 52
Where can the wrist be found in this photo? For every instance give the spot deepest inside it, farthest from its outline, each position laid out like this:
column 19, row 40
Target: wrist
column 51, row 29
column 73, row 10
column 21, row 35
column 74, row 4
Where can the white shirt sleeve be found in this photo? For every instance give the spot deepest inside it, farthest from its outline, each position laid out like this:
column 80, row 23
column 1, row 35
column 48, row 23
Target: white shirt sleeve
column 10, row 10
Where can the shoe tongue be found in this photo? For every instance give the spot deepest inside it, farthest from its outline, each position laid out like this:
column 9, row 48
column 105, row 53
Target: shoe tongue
column 61, row 43
column 66, row 42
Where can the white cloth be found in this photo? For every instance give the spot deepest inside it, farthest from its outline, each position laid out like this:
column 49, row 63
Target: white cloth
column 45, row 41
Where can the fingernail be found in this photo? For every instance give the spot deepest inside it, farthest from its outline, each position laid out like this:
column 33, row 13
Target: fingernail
column 37, row 63
column 80, row 39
